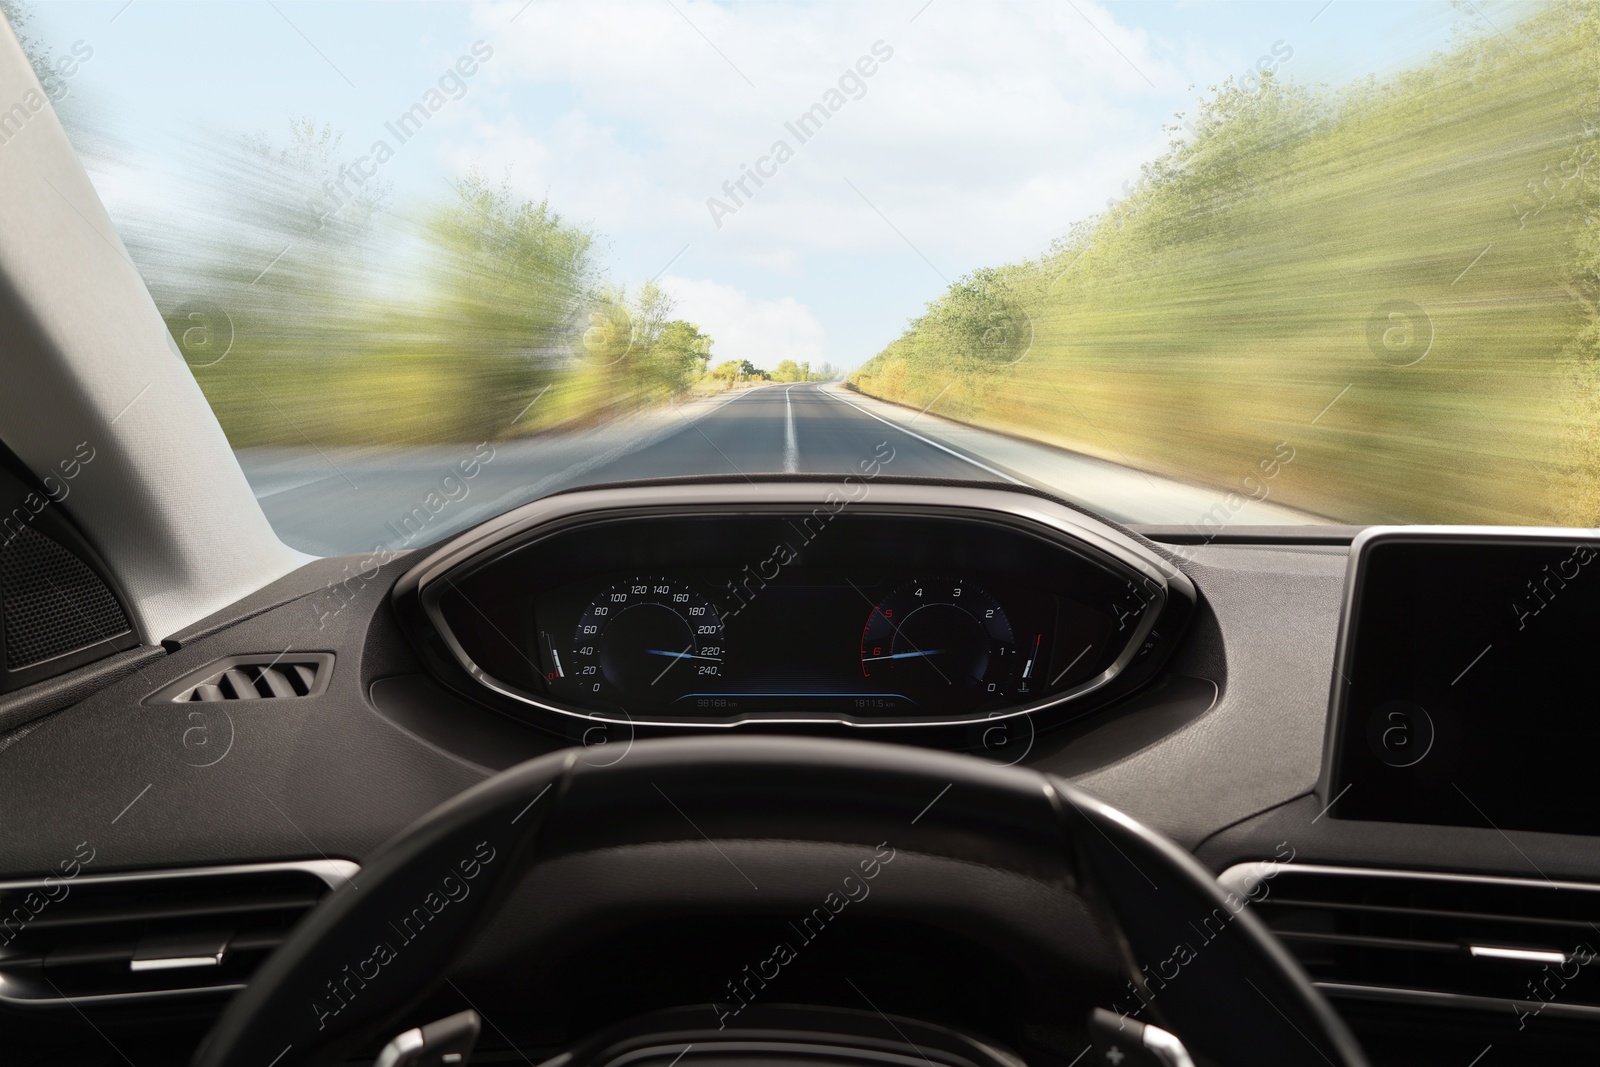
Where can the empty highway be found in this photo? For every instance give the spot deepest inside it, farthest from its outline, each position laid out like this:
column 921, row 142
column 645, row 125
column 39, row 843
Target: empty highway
column 332, row 501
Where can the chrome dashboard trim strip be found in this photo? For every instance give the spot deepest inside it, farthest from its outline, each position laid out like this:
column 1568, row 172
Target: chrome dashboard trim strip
column 334, row 873
column 1521, row 955
column 1244, row 874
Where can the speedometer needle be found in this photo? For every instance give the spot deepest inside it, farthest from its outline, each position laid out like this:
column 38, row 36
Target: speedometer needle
column 680, row 655
column 903, row 655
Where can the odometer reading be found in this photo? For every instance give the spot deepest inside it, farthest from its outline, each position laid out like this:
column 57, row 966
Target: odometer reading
column 648, row 639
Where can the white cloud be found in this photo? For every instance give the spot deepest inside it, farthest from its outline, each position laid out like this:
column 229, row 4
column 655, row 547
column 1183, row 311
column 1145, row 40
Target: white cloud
column 762, row 331
column 989, row 130
column 587, row 173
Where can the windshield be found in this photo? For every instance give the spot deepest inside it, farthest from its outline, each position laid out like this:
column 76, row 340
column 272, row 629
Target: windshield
column 1188, row 265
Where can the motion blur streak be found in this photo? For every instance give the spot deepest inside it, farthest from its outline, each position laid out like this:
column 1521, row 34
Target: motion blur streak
column 1428, row 241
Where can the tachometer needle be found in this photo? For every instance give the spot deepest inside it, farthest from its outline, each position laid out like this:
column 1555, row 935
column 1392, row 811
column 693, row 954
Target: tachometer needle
column 681, row 655
column 903, row 655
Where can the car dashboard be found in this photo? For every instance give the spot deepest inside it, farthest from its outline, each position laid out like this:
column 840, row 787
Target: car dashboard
column 1237, row 692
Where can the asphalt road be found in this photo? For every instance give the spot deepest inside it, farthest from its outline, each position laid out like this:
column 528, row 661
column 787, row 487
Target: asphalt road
column 788, row 429
column 332, row 501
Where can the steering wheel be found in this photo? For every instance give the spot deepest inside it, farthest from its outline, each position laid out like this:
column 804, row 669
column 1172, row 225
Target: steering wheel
column 951, row 838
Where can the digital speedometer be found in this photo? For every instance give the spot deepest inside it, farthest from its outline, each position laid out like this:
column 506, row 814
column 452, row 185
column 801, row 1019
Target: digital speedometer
column 648, row 639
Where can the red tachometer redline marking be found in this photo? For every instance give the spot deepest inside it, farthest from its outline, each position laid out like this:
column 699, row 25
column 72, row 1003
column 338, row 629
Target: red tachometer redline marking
column 1027, row 671
column 877, row 609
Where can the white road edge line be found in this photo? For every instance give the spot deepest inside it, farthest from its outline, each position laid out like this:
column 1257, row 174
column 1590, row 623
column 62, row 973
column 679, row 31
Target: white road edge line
column 925, row 440
column 791, row 450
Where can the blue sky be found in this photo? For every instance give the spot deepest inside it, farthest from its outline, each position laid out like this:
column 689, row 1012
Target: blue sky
column 987, row 131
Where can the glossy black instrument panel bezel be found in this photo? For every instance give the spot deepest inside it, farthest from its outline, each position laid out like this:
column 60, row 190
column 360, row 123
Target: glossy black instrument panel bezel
column 1081, row 541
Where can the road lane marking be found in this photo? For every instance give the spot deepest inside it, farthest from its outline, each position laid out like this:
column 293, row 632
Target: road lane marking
column 694, row 424
column 926, row 440
column 791, row 450
column 572, row 474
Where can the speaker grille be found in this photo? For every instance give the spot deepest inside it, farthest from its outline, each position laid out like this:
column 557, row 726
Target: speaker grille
column 52, row 603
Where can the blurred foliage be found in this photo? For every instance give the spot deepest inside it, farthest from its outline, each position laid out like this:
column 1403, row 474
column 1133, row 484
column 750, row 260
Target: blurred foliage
column 789, row 370
column 738, row 370
column 53, row 71
column 18, row 14
column 1429, row 241
column 291, row 287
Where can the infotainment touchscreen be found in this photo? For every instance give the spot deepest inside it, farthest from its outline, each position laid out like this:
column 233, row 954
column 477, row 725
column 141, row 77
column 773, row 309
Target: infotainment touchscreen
column 1467, row 689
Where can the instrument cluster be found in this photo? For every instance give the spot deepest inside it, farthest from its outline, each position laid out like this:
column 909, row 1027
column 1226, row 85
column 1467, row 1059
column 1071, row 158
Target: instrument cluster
column 880, row 614
column 823, row 640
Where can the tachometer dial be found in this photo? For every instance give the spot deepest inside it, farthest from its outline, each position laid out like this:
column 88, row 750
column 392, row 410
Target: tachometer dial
column 645, row 636
column 931, row 637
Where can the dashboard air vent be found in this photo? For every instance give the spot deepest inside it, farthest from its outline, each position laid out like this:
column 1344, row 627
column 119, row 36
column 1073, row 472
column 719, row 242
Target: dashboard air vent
column 1468, row 941
column 264, row 677
column 151, row 935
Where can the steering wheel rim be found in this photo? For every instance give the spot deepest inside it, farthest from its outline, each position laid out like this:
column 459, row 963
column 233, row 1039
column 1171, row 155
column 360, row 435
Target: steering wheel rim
column 1197, row 962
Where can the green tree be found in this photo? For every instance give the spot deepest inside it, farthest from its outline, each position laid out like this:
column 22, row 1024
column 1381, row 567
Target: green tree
column 276, row 253
column 685, row 349
column 650, row 311
column 639, row 350
column 507, row 283
column 509, row 273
